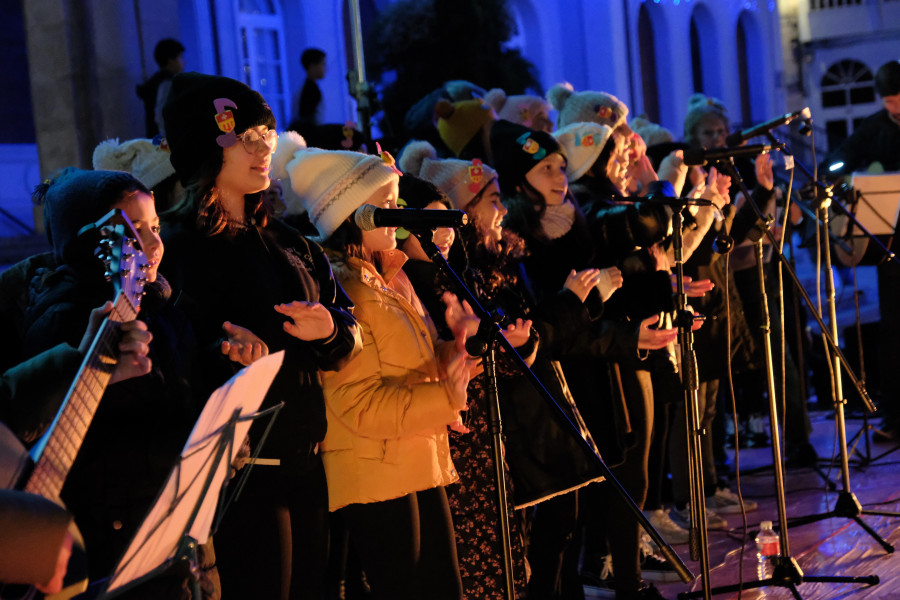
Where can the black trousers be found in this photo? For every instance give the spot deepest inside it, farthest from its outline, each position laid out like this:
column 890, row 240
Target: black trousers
column 407, row 546
column 273, row 542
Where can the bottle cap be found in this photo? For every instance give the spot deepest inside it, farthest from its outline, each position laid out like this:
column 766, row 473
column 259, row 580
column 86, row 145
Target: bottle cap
column 765, row 525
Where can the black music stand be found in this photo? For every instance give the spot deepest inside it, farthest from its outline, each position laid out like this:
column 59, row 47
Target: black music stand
column 187, row 505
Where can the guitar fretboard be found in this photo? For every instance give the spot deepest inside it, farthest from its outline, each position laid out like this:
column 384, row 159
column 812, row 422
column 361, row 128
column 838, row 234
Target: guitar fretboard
column 55, row 453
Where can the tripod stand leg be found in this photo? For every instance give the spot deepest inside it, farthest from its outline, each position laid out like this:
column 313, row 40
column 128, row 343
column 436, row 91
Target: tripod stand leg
column 884, row 544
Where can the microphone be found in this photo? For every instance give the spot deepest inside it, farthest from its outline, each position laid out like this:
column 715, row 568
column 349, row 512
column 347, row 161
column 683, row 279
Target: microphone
column 676, row 202
column 694, row 156
column 739, row 137
column 368, row 217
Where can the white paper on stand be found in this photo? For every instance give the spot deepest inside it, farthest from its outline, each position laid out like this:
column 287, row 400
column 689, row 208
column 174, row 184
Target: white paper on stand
column 169, row 520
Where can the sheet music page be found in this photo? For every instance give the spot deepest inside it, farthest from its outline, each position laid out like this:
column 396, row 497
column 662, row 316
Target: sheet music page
column 168, row 521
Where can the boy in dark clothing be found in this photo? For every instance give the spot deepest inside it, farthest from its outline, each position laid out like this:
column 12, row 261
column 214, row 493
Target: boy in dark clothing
column 311, row 109
column 169, row 55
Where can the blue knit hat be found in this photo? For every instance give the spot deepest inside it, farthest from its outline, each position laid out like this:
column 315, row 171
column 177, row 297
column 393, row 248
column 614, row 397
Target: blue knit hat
column 75, row 198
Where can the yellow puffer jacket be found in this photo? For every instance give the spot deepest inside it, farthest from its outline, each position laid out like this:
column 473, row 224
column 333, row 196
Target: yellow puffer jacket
column 387, row 411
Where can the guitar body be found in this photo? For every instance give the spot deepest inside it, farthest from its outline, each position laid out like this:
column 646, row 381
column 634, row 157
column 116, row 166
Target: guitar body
column 43, row 469
column 15, row 468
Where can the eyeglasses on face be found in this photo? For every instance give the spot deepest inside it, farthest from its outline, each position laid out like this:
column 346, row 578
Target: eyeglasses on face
column 256, row 143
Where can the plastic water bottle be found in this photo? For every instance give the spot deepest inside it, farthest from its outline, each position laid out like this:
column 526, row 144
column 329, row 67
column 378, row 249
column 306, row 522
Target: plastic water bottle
column 768, row 546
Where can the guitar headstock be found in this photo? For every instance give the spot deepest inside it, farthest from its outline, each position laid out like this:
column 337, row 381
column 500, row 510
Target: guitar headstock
column 119, row 249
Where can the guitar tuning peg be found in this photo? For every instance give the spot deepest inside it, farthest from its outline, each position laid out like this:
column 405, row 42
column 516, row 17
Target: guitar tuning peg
column 129, row 242
column 107, row 275
column 126, row 271
column 145, row 267
column 127, row 255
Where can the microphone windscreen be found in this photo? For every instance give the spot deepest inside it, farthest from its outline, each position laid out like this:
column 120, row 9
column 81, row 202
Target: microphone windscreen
column 364, row 217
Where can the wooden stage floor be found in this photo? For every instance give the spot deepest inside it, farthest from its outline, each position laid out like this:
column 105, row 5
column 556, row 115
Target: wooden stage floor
column 833, row 546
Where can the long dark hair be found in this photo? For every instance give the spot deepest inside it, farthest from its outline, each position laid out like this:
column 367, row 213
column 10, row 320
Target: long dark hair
column 347, row 240
column 201, row 203
column 491, row 264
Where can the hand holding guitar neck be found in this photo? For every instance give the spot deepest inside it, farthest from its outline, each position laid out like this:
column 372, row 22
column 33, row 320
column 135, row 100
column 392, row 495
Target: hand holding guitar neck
column 134, row 345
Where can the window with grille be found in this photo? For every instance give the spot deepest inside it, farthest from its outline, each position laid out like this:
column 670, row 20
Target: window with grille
column 261, row 35
column 847, row 82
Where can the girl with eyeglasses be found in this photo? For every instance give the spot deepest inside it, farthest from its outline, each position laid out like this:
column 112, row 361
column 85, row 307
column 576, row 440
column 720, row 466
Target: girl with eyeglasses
column 230, row 260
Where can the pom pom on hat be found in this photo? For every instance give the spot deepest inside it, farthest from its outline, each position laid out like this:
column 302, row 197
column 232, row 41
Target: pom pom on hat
column 522, row 109
column 459, row 122
column 332, row 184
column 289, row 143
column 517, row 150
column 652, row 133
column 204, row 114
column 583, row 143
column 587, row 106
column 700, row 105
column 75, row 198
column 141, row 157
column 461, row 180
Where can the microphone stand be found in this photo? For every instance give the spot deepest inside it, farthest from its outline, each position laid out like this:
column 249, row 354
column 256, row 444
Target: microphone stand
column 698, row 534
column 847, row 505
column 786, row 572
column 489, row 338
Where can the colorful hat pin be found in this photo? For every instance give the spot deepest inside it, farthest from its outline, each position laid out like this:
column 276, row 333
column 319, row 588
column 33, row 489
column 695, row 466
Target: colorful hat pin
column 586, row 141
column 348, row 129
column 225, row 121
column 530, row 146
column 387, row 159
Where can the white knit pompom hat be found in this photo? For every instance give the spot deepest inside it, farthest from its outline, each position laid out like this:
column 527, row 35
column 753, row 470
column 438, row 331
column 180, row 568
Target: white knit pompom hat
column 289, row 143
column 148, row 162
column 587, row 106
column 583, row 143
column 461, row 180
column 332, row 184
column 521, row 109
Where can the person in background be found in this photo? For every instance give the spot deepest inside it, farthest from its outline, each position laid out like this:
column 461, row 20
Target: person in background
column 169, row 55
column 311, row 107
column 875, row 144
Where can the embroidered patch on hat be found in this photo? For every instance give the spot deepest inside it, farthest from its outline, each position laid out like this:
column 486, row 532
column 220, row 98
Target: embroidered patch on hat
column 587, row 140
column 530, row 146
column 525, row 116
column 476, row 174
column 225, row 122
column 604, row 112
column 348, row 129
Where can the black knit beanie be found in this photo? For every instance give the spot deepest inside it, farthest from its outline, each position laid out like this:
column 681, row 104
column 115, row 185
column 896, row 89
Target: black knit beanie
column 75, row 198
column 417, row 193
column 887, row 79
column 203, row 114
column 517, row 149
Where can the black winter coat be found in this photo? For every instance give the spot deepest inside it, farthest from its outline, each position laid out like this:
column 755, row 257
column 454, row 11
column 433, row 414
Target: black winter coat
column 240, row 279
